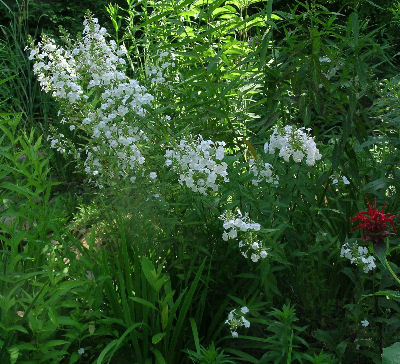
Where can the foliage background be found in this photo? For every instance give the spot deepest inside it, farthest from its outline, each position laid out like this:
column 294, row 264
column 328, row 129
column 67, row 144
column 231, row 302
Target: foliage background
column 157, row 279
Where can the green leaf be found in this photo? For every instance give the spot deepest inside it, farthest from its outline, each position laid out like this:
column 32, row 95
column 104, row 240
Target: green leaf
column 52, row 343
column 380, row 252
column 144, row 302
column 157, row 337
column 375, row 5
column 52, row 316
column 18, row 189
column 151, row 275
column 247, row 358
column 148, row 269
column 391, row 354
column 395, row 295
column 15, row 328
column 164, row 316
column 14, row 354
column 115, row 344
column 355, row 26
column 159, row 357
column 74, row 358
column 269, row 9
column 187, row 302
column 195, row 334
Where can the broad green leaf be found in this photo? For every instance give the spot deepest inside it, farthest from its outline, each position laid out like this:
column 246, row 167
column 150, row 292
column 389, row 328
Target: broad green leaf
column 391, row 354
column 159, row 357
column 14, row 354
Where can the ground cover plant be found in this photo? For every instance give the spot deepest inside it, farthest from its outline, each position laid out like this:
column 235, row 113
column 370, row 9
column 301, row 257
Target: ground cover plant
column 206, row 182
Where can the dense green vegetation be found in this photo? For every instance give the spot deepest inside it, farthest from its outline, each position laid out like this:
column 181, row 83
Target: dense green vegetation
column 201, row 181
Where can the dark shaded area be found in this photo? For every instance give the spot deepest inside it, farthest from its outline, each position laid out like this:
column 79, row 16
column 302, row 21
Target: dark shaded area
column 48, row 15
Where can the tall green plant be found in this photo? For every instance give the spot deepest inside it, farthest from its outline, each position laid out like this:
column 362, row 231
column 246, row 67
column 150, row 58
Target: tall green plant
column 149, row 316
column 41, row 305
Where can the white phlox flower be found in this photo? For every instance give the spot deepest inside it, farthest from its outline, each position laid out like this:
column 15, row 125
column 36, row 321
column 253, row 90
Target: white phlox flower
column 262, row 172
column 241, row 226
column 157, row 71
column 237, row 319
column 358, row 255
column 292, row 142
column 336, row 178
column 364, row 323
column 88, row 78
column 199, row 163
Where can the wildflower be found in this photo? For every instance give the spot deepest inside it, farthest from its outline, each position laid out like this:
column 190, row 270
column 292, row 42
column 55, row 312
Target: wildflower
column 237, row 319
column 199, row 163
column 81, row 351
column 325, row 60
column 232, row 234
column 246, row 323
column 153, row 175
column 94, row 67
column 235, row 224
column 255, row 246
column 293, row 142
column 358, row 256
column 262, row 172
column 335, row 179
column 365, row 323
column 374, row 223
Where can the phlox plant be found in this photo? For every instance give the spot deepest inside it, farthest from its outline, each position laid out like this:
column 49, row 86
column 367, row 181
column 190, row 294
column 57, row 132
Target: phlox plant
column 98, row 102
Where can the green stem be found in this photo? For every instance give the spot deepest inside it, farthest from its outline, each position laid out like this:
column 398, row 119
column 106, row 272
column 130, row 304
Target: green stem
column 391, row 271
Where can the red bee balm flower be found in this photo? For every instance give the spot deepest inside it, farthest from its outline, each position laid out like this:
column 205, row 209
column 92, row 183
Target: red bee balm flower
column 374, row 223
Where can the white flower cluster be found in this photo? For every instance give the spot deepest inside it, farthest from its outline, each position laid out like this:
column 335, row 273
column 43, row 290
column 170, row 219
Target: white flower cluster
column 199, row 163
column 156, row 72
column 262, row 172
column 293, row 142
column 58, row 142
column 237, row 319
column 249, row 245
column 96, row 96
column 358, row 255
column 335, row 180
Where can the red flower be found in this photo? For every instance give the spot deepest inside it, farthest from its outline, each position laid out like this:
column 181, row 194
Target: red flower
column 374, row 223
